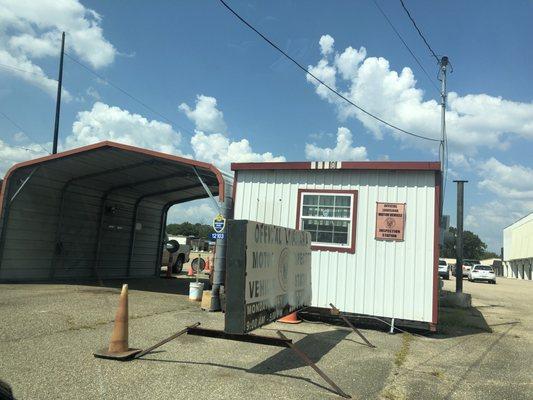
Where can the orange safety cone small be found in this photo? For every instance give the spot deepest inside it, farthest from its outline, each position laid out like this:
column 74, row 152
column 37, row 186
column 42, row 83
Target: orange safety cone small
column 118, row 345
column 290, row 319
column 191, row 272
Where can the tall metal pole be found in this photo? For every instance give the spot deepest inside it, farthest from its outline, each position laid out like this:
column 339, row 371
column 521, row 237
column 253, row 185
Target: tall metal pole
column 443, row 95
column 459, row 239
column 219, row 273
column 58, row 99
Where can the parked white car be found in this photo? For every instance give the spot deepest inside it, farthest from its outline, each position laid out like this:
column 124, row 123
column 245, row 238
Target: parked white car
column 480, row 272
column 444, row 269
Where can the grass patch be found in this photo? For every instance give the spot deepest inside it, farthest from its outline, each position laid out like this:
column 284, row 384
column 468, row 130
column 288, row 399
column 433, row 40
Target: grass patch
column 401, row 355
column 392, row 393
column 437, row 374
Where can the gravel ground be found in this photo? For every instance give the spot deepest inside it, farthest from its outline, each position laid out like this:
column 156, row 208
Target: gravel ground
column 48, row 333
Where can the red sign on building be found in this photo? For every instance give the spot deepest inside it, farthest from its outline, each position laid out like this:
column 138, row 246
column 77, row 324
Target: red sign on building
column 390, row 221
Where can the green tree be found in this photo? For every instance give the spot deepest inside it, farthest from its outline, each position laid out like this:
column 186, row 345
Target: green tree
column 187, row 229
column 473, row 246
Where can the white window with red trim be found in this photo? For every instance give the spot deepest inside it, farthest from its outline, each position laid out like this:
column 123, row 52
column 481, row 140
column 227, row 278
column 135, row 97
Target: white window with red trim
column 329, row 216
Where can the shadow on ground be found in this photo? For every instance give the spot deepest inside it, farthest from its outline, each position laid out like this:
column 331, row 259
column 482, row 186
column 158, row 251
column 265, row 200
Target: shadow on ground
column 315, row 346
column 175, row 285
column 456, row 322
column 6, row 393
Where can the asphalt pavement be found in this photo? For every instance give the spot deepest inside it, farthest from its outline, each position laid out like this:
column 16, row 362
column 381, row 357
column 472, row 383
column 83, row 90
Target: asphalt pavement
column 48, row 333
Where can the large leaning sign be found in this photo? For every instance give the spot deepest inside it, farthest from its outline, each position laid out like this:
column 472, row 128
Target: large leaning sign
column 268, row 274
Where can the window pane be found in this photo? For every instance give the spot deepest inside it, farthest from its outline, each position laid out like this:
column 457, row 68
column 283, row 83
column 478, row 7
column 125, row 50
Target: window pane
column 310, row 224
column 341, row 226
column 343, row 201
column 341, row 238
column 342, row 212
column 325, row 237
column 325, row 225
column 327, row 200
column 310, row 211
column 310, row 199
column 313, row 236
column 325, row 212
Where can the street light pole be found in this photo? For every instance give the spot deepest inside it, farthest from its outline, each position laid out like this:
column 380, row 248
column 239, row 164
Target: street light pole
column 459, row 239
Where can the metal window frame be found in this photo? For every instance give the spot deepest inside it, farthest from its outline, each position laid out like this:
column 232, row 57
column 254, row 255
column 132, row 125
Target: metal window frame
column 319, row 246
column 348, row 219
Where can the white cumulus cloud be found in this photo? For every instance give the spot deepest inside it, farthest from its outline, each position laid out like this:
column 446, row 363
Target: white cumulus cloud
column 507, row 181
column 31, row 30
column 12, row 154
column 197, row 211
column 206, row 116
column 104, row 122
column 326, row 43
column 221, row 151
column 473, row 120
column 343, row 150
column 210, row 143
column 511, row 187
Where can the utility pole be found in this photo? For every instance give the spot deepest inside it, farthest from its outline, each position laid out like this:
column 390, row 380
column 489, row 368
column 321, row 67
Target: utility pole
column 58, row 99
column 459, row 239
column 443, row 95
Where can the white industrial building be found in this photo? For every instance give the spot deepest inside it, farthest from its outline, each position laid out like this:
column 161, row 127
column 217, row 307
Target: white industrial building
column 374, row 227
column 518, row 249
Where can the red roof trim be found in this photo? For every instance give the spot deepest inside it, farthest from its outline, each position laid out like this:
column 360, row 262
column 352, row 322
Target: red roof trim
column 346, row 165
column 121, row 146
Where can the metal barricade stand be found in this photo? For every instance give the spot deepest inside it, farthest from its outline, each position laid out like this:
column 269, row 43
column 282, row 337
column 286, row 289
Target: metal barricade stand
column 281, row 341
column 336, row 311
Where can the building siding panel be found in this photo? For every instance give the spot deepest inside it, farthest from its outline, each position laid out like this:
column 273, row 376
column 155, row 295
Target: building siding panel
column 389, row 279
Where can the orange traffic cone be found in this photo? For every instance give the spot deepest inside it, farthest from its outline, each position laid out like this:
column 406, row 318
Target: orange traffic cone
column 290, row 319
column 191, row 272
column 118, row 345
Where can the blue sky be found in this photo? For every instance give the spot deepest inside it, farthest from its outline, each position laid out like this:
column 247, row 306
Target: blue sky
column 168, row 53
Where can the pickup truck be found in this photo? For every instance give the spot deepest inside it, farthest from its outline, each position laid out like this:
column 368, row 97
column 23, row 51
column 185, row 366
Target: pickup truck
column 176, row 250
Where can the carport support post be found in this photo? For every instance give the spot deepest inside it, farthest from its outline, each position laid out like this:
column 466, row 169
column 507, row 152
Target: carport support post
column 459, row 239
column 219, row 272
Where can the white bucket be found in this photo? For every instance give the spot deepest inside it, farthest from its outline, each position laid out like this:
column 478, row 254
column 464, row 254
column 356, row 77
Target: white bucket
column 196, row 290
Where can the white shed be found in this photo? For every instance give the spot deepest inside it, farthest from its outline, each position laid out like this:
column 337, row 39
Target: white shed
column 518, row 249
column 374, row 226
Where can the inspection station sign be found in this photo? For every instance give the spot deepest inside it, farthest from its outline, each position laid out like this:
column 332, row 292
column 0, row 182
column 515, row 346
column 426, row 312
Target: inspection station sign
column 390, row 221
column 268, row 274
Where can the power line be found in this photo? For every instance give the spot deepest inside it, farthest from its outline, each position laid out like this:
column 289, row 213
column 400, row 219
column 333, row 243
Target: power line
column 22, row 130
column 142, row 103
column 406, row 46
column 419, row 32
column 275, row 46
column 20, row 70
column 442, row 62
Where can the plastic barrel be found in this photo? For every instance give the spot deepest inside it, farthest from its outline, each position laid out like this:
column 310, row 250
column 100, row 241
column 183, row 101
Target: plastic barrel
column 196, row 290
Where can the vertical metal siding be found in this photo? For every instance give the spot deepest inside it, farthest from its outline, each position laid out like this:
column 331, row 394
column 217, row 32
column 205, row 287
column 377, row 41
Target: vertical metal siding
column 390, row 279
column 34, row 218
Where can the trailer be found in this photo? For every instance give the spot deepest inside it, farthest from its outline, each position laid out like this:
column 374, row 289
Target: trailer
column 374, row 227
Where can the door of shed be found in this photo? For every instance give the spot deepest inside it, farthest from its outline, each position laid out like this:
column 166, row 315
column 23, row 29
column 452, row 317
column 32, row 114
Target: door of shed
column 392, row 279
